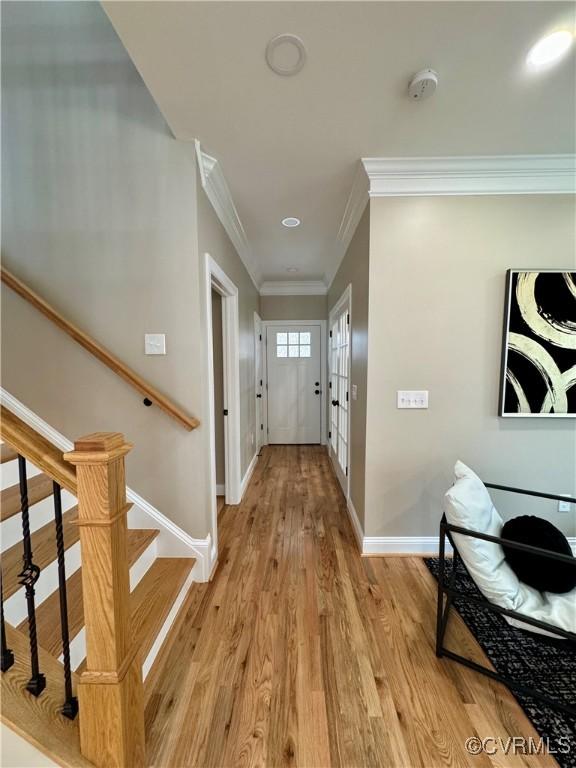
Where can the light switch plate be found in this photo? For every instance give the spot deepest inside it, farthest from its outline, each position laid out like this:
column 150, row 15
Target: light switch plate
column 155, row 343
column 354, row 392
column 410, row 398
column 564, row 506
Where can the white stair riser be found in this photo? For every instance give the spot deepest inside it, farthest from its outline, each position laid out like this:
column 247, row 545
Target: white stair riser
column 9, row 474
column 15, row 609
column 41, row 514
column 78, row 644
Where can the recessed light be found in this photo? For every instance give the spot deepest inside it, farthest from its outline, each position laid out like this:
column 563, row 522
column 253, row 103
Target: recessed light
column 291, row 221
column 292, row 269
column 550, row 49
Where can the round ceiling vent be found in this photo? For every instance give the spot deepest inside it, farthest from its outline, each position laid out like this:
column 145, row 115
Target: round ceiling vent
column 286, row 54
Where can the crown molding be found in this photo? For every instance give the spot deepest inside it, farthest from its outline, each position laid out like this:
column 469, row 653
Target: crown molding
column 214, row 184
column 293, row 288
column 481, row 175
column 355, row 205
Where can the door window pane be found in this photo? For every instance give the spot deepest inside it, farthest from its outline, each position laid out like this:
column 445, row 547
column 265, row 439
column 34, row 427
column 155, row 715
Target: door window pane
column 282, row 351
column 292, row 351
column 305, row 351
column 281, row 338
column 293, row 338
column 305, row 338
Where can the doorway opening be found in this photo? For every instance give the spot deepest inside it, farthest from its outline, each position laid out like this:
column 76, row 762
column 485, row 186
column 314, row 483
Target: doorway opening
column 295, row 373
column 223, row 369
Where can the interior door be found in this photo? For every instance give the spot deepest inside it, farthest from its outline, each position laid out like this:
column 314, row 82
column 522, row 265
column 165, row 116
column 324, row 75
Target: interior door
column 294, row 383
column 259, row 384
column 338, row 394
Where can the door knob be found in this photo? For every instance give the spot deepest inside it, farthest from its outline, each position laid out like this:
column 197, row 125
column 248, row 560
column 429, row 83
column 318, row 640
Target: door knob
column 316, row 383
column 316, row 391
column 335, row 402
column 258, row 395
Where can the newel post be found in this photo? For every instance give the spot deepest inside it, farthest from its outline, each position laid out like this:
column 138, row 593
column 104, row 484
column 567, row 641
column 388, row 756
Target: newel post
column 110, row 689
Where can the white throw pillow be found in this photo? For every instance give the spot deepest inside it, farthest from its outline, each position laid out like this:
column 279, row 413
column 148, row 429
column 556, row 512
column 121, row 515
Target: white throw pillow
column 468, row 505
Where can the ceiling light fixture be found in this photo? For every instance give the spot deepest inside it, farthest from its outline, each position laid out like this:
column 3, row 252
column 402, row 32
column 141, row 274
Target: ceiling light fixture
column 292, row 269
column 286, row 55
column 291, row 221
column 550, row 49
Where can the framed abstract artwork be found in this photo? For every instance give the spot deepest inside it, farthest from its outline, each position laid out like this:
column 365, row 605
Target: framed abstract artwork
column 538, row 377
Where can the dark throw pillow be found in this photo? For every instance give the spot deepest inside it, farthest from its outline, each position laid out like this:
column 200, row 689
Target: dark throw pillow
column 534, row 570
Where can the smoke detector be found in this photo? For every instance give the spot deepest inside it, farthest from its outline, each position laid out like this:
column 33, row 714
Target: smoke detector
column 423, row 85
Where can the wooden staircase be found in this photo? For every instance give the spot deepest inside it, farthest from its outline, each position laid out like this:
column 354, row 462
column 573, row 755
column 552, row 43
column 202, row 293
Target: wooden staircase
column 122, row 599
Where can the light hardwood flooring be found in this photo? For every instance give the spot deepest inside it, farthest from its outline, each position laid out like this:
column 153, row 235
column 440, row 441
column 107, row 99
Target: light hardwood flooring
column 302, row 653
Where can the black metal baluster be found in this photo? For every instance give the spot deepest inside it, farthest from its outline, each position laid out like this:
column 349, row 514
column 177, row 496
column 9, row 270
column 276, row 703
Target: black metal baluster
column 7, row 655
column 28, row 578
column 70, row 708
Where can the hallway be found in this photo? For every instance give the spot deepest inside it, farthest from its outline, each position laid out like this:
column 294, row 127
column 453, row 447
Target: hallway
column 301, row 653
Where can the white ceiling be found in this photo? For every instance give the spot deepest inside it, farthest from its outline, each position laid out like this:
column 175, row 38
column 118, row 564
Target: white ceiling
column 289, row 146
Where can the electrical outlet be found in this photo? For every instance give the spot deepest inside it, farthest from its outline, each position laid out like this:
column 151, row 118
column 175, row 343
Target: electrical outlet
column 564, row 506
column 412, row 399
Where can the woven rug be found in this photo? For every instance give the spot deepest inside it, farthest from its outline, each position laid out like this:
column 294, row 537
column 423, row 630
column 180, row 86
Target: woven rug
column 542, row 663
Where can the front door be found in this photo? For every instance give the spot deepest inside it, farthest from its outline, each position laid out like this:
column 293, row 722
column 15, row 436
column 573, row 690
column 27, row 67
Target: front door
column 294, row 383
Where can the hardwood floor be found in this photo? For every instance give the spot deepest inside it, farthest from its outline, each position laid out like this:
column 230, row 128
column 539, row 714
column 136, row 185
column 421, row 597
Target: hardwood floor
column 302, row 653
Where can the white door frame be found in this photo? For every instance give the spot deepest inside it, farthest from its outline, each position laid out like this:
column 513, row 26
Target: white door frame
column 345, row 298
column 216, row 279
column 259, row 388
column 323, row 383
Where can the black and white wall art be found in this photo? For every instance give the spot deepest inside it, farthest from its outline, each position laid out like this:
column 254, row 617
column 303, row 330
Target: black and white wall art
column 539, row 348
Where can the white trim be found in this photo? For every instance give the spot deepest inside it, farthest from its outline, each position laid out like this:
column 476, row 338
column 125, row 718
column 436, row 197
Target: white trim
column 258, row 385
column 214, row 184
column 345, row 300
column 220, row 489
column 172, row 542
column 480, row 175
column 323, row 381
column 293, row 288
column 572, row 542
column 400, row 545
column 216, row 279
column 356, row 525
column 248, row 475
column 355, row 205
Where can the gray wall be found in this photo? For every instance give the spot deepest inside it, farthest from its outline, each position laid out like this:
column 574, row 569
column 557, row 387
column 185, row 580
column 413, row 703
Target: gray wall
column 293, row 307
column 214, row 240
column 437, row 277
column 100, row 216
column 354, row 270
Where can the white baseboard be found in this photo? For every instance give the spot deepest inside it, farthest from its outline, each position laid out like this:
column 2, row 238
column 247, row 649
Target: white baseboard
column 400, row 545
column 356, row 526
column 572, row 542
column 220, row 489
column 249, row 472
column 172, row 541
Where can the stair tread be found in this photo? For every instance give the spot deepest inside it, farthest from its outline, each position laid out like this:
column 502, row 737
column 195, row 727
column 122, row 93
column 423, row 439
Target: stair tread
column 38, row 720
column 43, row 548
column 48, row 612
column 152, row 599
column 39, row 488
column 7, row 453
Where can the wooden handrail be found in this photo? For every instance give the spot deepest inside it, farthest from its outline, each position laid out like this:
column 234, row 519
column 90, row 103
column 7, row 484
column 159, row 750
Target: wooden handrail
column 36, row 449
column 103, row 354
